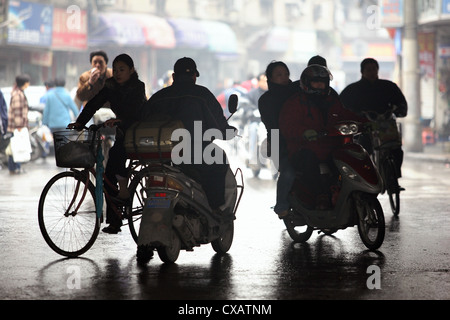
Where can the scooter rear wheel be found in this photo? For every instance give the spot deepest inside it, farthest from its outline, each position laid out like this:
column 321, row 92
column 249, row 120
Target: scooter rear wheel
column 297, row 233
column 371, row 224
column 170, row 254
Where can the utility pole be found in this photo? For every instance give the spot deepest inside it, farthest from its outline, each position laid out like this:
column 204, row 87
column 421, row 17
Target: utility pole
column 412, row 133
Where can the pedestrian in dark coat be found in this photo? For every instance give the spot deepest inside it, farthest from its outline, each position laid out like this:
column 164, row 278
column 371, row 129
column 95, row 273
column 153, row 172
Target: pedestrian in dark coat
column 194, row 104
column 280, row 88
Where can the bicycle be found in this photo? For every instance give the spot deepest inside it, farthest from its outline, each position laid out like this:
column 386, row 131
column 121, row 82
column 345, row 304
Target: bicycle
column 71, row 206
column 386, row 137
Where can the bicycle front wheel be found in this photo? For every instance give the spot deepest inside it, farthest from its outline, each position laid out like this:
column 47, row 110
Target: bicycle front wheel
column 67, row 214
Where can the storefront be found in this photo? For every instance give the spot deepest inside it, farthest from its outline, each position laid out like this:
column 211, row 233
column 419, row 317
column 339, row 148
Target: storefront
column 434, row 48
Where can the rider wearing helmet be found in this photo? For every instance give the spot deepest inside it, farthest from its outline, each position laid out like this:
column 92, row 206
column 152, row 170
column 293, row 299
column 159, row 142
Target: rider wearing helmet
column 303, row 117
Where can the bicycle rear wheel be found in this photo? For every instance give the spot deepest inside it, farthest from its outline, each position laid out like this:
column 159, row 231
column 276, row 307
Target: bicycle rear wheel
column 134, row 211
column 67, row 214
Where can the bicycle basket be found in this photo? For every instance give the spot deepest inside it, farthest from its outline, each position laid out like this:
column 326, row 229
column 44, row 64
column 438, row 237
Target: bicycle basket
column 74, row 149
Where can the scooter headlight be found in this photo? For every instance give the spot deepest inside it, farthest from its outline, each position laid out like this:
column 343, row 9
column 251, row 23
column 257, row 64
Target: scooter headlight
column 350, row 173
column 348, row 129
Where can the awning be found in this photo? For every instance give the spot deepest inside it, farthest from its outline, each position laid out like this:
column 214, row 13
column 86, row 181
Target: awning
column 189, row 33
column 304, row 45
column 277, row 39
column 157, row 31
column 116, row 29
column 221, row 38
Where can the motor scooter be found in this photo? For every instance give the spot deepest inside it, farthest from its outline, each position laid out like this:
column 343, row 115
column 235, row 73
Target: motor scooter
column 41, row 138
column 253, row 150
column 354, row 188
column 176, row 214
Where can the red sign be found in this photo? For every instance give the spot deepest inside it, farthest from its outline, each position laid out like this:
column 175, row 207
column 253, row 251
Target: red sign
column 427, row 52
column 69, row 28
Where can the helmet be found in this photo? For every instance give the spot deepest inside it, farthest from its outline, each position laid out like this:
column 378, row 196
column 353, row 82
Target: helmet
column 316, row 73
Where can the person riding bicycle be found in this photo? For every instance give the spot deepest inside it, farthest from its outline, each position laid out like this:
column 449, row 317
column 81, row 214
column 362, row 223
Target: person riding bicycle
column 371, row 94
column 126, row 95
column 303, row 117
column 191, row 103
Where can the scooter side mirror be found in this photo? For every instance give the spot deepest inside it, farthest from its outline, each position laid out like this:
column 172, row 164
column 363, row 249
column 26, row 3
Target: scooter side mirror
column 233, row 103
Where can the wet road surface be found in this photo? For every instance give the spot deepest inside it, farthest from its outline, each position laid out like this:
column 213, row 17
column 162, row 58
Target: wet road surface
column 262, row 264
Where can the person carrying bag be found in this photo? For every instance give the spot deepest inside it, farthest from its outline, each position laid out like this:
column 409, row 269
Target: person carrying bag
column 20, row 147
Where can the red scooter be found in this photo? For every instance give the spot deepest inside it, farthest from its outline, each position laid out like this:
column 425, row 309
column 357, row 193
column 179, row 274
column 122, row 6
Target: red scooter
column 355, row 185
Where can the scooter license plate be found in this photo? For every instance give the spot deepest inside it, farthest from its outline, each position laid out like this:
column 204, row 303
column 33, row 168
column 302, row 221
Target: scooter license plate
column 158, row 203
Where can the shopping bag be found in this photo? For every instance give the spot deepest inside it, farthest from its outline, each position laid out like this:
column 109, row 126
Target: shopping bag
column 21, row 146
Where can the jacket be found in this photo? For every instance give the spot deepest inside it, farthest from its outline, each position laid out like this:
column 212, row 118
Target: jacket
column 85, row 92
column 365, row 95
column 300, row 113
column 126, row 101
column 270, row 104
column 18, row 110
column 186, row 101
column 57, row 109
column 3, row 114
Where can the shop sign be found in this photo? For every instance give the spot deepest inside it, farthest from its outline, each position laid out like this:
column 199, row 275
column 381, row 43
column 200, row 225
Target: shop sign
column 30, row 24
column 446, row 7
column 44, row 59
column 391, row 13
column 3, row 19
column 427, row 53
column 444, row 51
column 428, row 10
column 69, row 28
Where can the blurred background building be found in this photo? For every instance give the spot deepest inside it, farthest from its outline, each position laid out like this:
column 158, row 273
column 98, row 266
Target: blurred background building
column 231, row 40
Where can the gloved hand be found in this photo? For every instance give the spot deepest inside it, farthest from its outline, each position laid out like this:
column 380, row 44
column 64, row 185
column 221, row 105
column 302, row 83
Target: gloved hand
column 76, row 126
column 310, row 135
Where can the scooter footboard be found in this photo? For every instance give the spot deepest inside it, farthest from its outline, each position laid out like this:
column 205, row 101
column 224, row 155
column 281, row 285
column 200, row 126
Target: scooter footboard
column 156, row 227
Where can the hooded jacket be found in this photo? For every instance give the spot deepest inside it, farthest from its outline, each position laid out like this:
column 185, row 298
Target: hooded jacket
column 126, row 101
column 270, row 105
column 303, row 112
column 186, row 101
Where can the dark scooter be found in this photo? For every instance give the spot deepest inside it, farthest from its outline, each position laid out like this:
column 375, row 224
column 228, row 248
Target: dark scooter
column 354, row 187
column 176, row 215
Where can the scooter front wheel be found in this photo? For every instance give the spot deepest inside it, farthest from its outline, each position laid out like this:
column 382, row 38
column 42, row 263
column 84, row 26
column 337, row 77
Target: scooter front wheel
column 371, row 224
column 223, row 243
column 297, row 233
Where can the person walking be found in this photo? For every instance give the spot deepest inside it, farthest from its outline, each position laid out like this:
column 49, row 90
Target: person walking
column 59, row 107
column 94, row 79
column 18, row 115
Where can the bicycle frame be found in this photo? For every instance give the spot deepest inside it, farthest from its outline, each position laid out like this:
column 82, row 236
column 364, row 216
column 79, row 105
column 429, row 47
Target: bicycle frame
column 100, row 179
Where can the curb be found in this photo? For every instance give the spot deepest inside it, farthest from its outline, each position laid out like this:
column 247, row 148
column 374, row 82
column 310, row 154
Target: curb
column 440, row 158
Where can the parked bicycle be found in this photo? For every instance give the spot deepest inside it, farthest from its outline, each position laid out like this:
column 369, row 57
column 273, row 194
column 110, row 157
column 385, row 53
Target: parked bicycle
column 386, row 137
column 71, row 204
